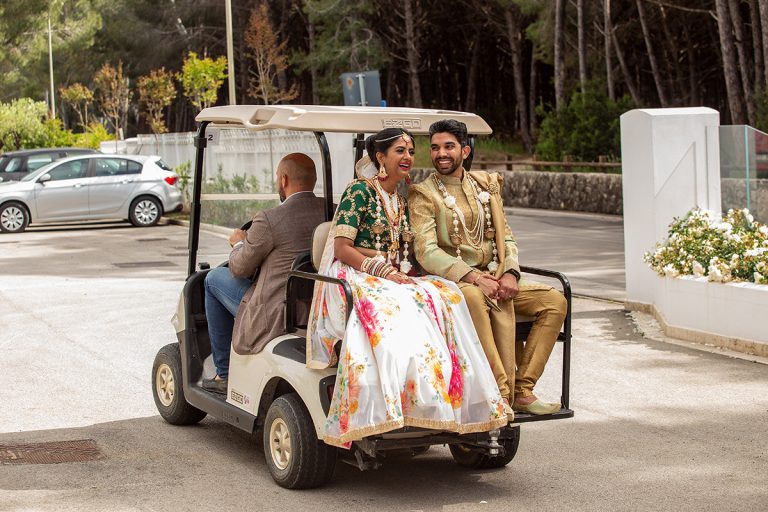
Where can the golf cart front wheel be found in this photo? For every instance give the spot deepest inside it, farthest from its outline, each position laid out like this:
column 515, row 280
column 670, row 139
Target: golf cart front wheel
column 467, row 457
column 168, row 390
column 296, row 458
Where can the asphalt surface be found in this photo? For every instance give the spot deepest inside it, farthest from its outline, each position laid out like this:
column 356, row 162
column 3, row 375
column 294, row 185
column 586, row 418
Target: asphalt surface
column 658, row 426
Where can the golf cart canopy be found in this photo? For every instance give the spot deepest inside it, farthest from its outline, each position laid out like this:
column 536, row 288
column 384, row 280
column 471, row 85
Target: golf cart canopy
column 323, row 118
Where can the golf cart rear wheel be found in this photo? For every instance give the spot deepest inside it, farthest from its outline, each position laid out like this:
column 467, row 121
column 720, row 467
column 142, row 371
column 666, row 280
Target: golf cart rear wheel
column 469, row 458
column 168, row 390
column 296, row 458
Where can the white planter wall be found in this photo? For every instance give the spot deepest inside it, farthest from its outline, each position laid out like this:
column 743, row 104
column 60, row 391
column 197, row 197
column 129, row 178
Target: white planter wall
column 731, row 315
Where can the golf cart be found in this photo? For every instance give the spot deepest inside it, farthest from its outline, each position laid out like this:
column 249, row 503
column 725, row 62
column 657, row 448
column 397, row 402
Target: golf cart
column 273, row 392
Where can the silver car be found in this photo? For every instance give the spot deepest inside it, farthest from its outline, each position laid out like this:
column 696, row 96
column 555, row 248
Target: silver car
column 88, row 187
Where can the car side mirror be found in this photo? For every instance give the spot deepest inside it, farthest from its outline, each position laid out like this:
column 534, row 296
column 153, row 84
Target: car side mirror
column 45, row 177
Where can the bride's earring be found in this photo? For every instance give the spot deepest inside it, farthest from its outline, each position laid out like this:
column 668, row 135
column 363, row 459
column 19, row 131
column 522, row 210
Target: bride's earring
column 382, row 174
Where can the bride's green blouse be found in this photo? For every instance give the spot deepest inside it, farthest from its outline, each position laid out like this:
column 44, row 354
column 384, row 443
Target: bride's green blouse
column 357, row 213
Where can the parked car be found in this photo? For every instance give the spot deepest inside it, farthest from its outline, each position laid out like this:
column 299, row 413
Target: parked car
column 274, row 393
column 14, row 165
column 87, row 187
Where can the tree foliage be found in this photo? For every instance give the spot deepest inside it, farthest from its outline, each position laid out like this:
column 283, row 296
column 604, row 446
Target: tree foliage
column 79, row 98
column 202, row 78
column 156, row 92
column 269, row 59
column 113, row 94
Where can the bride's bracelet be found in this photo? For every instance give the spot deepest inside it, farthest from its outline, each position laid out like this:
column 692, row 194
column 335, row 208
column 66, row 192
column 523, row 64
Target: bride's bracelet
column 377, row 267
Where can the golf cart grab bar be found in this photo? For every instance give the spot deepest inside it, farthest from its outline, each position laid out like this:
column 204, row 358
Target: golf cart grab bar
column 290, row 304
column 565, row 335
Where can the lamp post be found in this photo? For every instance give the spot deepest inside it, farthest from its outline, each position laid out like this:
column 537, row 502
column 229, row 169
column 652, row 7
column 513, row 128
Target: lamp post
column 230, row 54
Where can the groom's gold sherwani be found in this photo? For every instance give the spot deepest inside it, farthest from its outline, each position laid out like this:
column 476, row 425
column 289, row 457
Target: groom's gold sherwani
column 432, row 220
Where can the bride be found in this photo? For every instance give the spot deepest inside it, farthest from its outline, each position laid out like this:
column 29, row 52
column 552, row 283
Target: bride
column 410, row 355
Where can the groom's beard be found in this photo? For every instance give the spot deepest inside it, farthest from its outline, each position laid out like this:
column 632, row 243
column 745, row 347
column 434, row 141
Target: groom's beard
column 445, row 171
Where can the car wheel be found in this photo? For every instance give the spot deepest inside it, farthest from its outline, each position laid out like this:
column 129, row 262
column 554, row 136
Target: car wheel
column 296, row 458
column 469, row 458
column 145, row 211
column 13, row 218
column 168, row 390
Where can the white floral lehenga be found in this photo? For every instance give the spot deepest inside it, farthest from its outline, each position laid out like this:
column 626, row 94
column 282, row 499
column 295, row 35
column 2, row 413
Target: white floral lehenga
column 409, row 355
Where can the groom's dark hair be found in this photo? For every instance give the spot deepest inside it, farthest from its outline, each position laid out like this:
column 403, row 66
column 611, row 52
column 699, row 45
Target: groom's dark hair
column 452, row 126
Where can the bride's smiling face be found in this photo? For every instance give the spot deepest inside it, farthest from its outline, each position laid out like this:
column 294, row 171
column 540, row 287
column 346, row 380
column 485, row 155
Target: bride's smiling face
column 398, row 159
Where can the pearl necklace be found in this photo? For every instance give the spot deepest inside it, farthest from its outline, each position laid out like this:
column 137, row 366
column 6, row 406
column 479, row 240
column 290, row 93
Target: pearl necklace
column 476, row 233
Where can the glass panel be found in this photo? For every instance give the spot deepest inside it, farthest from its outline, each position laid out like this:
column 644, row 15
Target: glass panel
column 239, row 181
column 744, row 170
column 69, row 170
column 14, row 165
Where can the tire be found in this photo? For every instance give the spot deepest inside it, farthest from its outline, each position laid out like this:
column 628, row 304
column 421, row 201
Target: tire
column 14, row 217
column 296, row 458
column 168, row 388
column 468, row 458
column 145, row 211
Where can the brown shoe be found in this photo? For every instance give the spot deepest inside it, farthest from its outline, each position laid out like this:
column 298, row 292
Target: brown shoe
column 537, row 407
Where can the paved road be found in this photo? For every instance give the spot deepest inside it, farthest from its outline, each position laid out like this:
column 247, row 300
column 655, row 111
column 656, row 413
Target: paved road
column 588, row 248
column 658, row 426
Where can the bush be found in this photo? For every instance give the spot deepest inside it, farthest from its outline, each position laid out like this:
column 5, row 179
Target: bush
column 585, row 129
column 24, row 124
column 700, row 244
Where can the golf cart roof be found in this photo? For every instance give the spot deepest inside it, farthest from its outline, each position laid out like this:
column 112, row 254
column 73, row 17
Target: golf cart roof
column 323, row 118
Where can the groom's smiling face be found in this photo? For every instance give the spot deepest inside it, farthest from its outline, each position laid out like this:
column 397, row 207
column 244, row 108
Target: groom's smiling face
column 447, row 154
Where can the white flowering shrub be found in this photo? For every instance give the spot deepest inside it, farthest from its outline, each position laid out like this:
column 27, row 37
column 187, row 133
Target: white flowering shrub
column 734, row 248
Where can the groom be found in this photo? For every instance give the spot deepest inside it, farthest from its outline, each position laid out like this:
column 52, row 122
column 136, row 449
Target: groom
column 462, row 235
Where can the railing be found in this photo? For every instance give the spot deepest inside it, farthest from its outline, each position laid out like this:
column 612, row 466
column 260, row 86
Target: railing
column 524, row 165
column 744, row 169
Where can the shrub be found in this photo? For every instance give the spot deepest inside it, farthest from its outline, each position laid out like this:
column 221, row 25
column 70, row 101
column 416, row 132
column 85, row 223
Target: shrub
column 586, row 128
column 701, row 244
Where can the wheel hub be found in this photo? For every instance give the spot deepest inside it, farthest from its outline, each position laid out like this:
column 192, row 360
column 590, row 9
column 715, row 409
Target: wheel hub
column 165, row 385
column 280, row 443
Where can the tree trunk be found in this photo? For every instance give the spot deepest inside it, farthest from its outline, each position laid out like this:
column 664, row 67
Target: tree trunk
column 559, row 54
column 651, row 56
column 693, row 86
column 607, row 31
column 313, row 68
column 757, row 47
column 582, row 46
column 673, row 51
column 744, row 64
column 474, row 60
column 730, row 70
column 624, row 70
column 763, row 4
column 532, row 94
column 413, row 56
column 514, row 35
column 512, row 19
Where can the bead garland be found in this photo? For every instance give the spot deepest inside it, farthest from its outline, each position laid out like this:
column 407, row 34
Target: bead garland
column 398, row 225
column 476, row 234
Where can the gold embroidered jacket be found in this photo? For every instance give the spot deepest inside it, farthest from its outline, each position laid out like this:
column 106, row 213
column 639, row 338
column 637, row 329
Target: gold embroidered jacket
column 432, row 223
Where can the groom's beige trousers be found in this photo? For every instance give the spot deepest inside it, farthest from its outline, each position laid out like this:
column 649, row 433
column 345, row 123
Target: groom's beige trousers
column 512, row 362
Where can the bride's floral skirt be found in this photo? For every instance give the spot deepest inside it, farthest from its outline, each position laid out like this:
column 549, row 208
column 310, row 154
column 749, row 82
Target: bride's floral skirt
column 409, row 357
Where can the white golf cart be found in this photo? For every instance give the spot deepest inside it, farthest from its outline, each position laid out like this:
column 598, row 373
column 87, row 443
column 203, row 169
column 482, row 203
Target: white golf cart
column 273, row 392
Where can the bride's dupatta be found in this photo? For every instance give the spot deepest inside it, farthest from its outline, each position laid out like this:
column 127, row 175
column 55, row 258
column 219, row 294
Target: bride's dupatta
column 322, row 329
column 326, row 301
